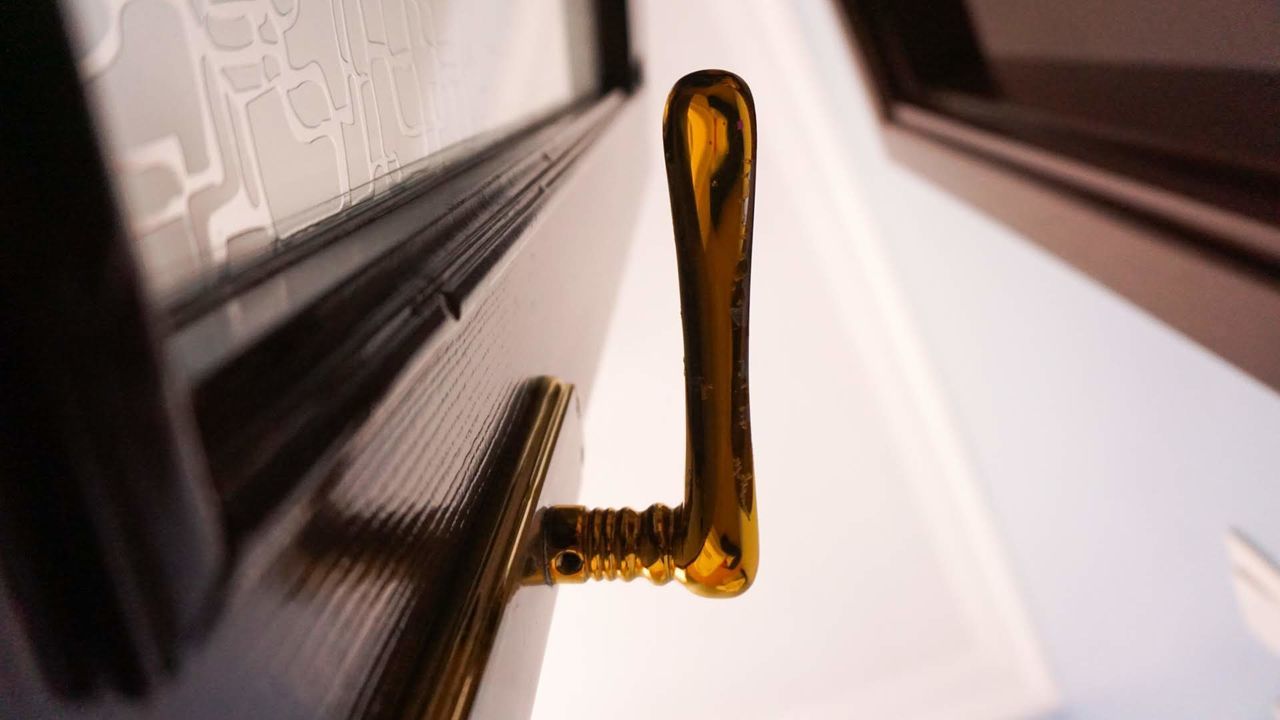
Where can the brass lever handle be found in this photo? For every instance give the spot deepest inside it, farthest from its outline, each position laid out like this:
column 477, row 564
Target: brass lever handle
column 709, row 543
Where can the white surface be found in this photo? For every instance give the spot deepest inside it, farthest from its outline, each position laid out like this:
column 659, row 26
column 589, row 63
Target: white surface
column 1114, row 452
column 882, row 591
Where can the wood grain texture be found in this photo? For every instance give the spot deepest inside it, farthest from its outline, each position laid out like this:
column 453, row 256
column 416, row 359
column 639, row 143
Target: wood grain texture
column 339, row 595
column 109, row 541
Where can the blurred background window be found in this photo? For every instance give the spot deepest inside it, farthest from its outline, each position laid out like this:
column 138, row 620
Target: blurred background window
column 1182, row 96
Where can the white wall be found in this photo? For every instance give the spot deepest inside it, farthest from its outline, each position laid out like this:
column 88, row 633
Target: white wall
column 1115, row 452
column 988, row 487
column 882, row 592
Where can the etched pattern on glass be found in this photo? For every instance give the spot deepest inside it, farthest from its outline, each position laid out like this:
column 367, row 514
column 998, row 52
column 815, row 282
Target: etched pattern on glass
column 230, row 124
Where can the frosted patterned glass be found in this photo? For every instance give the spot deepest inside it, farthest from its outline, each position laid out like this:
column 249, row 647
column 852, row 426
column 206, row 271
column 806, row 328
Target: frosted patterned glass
column 230, row 125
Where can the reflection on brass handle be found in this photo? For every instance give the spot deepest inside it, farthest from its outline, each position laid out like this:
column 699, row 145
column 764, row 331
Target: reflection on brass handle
column 710, row 542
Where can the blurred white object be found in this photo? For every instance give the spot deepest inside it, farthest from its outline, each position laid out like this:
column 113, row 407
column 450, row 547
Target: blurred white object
column 1257, row 583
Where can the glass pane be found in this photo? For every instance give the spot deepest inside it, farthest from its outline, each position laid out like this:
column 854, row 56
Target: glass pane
column 231, row 125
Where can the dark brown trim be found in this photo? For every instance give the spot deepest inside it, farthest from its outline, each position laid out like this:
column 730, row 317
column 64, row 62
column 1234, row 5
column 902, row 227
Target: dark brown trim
column 109, row 536
column 1252, row 244
column 619, row 68
column 1205, row 133
column 118, row 525
column 203, row 296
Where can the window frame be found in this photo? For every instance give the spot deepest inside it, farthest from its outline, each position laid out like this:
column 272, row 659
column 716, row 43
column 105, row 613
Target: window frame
column 1201, row 266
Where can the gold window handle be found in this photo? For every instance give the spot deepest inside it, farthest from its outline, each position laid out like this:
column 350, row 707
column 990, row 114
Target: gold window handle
column 709, row 543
